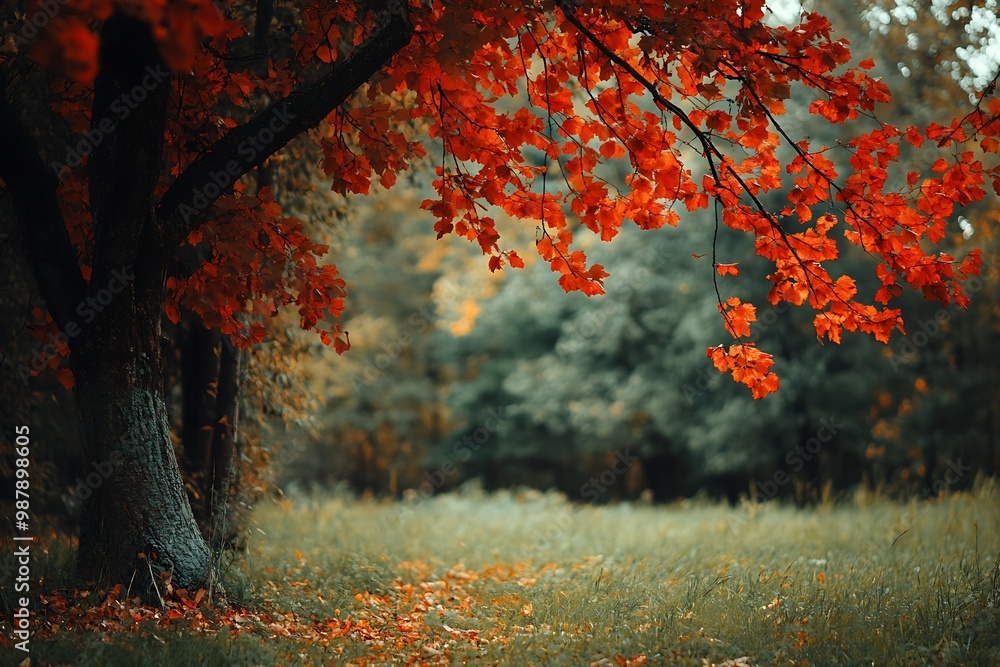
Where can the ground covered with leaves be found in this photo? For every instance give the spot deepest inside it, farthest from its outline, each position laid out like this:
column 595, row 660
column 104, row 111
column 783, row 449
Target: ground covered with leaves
column 529, row 579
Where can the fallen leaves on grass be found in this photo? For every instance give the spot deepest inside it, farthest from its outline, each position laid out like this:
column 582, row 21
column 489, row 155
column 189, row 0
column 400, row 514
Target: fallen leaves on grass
column 408, row 621
column 424, row 617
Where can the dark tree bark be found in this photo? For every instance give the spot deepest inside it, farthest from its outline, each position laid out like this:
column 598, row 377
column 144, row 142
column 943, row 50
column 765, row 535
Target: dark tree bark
column 139, row 521
column 199, row 374
column 262, row 26
column 199, row 349
column 210, row 379
column 224, row 450
column 211, row 376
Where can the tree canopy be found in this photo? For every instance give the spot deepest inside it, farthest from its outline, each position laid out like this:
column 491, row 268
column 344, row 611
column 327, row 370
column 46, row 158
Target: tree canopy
column 690, row 95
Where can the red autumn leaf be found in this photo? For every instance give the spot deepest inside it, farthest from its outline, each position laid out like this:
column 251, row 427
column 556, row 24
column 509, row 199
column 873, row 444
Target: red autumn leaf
column 738, row 316
column 65, row 377
column 914, row 136
column 172, row 312
column 727, row 269
column 825, row 223
column 748, row 365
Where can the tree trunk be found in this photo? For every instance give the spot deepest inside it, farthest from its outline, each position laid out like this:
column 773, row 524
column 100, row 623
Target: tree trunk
column 199, row 377
column 138, row 522
column 199, row 353
column 224, row 445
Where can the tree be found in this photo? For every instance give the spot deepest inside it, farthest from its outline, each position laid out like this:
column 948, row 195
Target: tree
column 173, row 106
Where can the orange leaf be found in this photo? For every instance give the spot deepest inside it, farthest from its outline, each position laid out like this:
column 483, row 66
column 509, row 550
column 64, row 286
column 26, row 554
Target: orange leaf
column 65, row 377
column 738, row 317
column 172, row 312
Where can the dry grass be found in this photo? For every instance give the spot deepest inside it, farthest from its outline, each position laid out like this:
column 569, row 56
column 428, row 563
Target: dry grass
column 529, row 579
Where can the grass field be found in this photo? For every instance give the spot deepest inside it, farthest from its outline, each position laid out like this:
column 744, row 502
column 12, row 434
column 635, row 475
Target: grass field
column 529, row 579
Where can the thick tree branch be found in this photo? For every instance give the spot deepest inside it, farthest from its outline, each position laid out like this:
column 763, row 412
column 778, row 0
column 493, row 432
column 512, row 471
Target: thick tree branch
column 32, row 187
column 244, row 148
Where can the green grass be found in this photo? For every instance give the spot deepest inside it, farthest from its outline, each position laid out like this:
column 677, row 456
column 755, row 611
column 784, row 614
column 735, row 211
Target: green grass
column 450, row 581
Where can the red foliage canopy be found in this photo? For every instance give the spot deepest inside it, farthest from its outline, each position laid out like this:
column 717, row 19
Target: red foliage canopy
column 690, row 93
